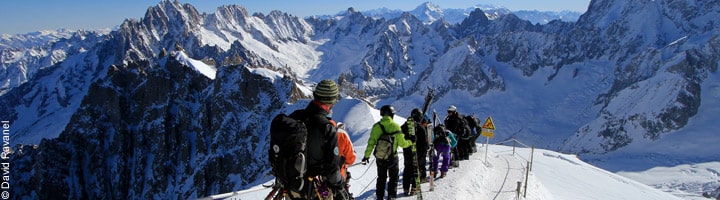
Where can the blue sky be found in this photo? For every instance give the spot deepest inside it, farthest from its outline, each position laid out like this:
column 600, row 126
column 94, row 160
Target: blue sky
column 22, row 16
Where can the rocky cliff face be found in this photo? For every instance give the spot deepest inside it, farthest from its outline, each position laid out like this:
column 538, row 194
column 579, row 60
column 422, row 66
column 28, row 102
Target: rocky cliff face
column 647, row 55
column 146, row 131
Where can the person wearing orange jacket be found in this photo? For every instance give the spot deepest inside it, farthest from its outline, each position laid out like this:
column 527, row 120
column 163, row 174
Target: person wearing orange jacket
column 347, row 153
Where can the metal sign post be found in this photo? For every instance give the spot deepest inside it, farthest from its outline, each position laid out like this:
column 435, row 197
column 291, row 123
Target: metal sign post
column 487, row 145
column 487, row 130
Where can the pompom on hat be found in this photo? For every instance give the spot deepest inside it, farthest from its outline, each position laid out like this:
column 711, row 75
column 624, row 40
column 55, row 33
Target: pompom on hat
column 326, row 92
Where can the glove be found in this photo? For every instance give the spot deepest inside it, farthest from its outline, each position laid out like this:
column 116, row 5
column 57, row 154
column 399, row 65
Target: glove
column 365, row 160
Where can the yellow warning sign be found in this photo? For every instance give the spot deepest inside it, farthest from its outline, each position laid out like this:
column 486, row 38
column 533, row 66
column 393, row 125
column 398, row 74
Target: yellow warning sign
column 489, row 124
column 488, row 133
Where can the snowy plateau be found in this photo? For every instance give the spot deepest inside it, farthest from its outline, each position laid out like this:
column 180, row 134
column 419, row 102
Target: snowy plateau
column 621, row 103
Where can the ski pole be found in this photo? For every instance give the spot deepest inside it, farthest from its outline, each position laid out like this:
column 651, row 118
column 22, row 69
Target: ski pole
column 360, row 163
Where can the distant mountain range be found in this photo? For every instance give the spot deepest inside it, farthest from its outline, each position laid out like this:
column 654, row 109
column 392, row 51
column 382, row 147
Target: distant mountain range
column 176, row 104
column 428, row 13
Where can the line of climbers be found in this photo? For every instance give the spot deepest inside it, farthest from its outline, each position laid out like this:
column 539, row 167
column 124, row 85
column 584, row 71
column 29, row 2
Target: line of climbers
column 449, row 147
column 309, row 152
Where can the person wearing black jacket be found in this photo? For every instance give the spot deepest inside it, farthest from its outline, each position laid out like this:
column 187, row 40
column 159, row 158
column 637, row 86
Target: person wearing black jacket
column 322, row 148
column 419, row 137
column 456, row 123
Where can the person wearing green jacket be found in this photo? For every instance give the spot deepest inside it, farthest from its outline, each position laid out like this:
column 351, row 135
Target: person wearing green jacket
column 386, row 167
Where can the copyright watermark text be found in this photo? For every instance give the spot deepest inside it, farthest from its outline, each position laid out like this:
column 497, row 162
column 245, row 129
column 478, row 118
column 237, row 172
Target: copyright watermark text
column 5, row 160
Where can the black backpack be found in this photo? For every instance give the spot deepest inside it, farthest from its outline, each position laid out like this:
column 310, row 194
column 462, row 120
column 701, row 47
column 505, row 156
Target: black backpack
column 441, row 136
column 384, row 148
column 472, row 121
column 288, row 136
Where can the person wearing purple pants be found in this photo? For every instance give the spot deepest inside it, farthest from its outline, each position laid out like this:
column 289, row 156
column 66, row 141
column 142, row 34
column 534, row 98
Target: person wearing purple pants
column 443, row 140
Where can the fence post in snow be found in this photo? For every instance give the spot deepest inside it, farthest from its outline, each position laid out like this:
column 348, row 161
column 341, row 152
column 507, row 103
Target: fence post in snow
column 514, row 144
column 527, row 173
column 517, row 190
column 532, row 154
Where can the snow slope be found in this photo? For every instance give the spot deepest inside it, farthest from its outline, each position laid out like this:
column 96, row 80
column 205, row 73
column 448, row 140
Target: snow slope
column 554, row 176
column 205, row 69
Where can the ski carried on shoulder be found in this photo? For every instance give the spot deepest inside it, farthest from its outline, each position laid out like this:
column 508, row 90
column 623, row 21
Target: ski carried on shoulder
column 428, row 100
column 426, row 105
column 428, row 131
column 432, row 152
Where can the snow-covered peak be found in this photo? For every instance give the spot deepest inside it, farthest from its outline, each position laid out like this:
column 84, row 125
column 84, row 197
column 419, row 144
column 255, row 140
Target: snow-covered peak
column 428, row 9
column 350, row 11
column 168, row 17
column 544, row 17
column 32, row 39
column 199, row 66
column 642, row 18
column 429, row 6
column 491, row 11
column 428, row 12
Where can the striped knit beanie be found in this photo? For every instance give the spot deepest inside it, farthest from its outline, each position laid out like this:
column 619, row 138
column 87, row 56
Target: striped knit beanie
column 326, row 92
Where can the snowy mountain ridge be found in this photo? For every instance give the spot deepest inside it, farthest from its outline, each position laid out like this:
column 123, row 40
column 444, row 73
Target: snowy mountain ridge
column 608, row 87
column 22, row 56
column 429, row 13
